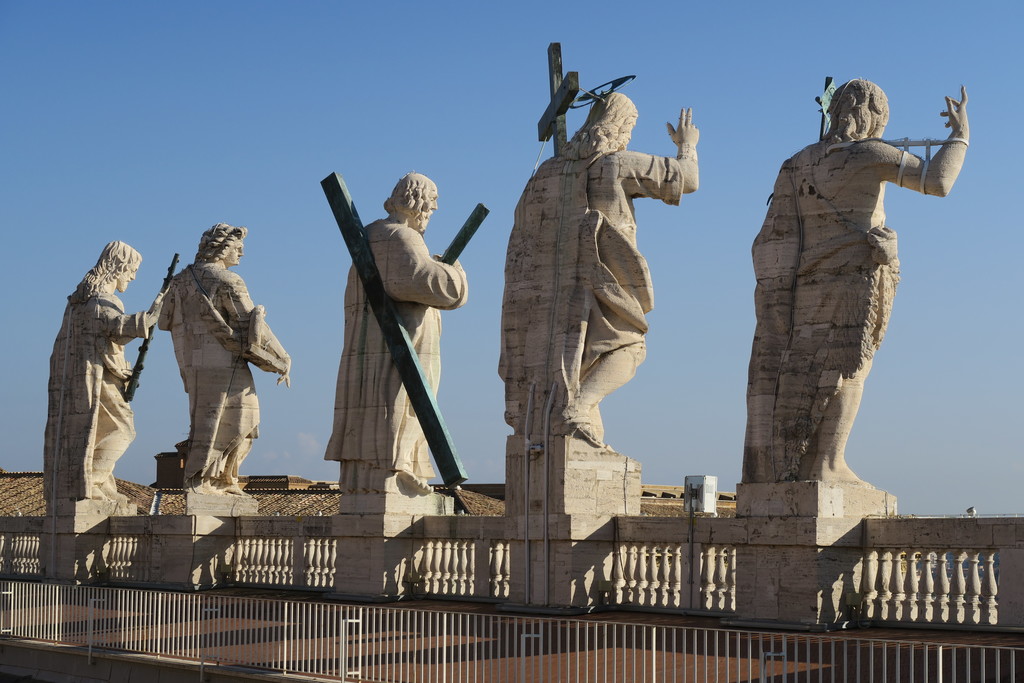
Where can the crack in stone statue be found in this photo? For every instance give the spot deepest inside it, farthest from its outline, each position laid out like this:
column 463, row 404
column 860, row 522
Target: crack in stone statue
column 827, row 270
column 377, row 436
column 89, row 423
column 577, row 289
column 217, row 332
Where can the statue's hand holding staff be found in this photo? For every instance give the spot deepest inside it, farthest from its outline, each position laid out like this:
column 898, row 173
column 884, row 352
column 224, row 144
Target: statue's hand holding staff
column 686, row 134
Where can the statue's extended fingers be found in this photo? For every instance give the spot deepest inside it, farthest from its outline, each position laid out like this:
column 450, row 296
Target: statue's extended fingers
column 689, row 116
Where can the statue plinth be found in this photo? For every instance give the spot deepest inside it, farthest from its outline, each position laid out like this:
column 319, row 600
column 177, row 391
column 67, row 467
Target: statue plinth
column 560, row 506
column 801, row 565
column 813, row 499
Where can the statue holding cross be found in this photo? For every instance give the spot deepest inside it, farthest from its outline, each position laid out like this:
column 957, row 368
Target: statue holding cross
column 378, row 437
column 577, row 289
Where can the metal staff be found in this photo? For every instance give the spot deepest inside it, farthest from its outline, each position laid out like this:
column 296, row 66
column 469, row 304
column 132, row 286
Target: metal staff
column 133, row 381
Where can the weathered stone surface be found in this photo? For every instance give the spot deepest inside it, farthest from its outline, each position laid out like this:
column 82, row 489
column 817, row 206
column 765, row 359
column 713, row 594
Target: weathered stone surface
column 827, row 270
column 377, row 436
column 217, row 332
column 220, row 505
column 817, row 499
column 89, row 423
column 577, row 288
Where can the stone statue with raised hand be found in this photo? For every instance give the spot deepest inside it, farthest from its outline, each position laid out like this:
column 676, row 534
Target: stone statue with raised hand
column 218, row 332
column 827, row 269
column 577, row 289
column 89, row 422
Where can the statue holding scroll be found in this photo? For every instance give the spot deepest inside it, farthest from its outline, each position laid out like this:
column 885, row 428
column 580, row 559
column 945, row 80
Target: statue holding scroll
column 577, row 289
column 89, row 423
column 218, row 332
column 377, row 436
column 827, row 270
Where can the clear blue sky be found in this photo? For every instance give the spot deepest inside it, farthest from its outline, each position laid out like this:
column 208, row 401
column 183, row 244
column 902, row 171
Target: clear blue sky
column 149, row 122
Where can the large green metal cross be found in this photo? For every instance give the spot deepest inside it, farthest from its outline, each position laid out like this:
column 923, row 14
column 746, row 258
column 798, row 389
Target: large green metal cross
column 421, row 394
column 563, row 92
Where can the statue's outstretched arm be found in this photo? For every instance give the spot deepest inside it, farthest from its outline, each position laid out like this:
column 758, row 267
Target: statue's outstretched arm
column 942, row 170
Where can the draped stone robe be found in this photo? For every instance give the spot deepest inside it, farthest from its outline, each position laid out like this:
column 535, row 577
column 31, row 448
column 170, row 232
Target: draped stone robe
column 376, row 433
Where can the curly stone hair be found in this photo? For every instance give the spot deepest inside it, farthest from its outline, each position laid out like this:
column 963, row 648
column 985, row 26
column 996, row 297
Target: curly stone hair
column 410, row 192
column 602, row 133
column 858, row 110
column 217, row 240
column 116, row 259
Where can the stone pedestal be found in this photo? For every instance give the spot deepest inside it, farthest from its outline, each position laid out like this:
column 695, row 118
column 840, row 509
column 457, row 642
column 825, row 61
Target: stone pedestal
column 560, row 506
column 381, row 533
column 801, row 565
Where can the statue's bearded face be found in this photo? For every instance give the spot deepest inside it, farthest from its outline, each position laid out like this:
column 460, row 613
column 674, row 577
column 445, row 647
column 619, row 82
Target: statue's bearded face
column 860, row 110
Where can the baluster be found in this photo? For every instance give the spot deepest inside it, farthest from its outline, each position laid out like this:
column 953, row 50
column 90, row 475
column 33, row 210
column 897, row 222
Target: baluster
column 497, row 548
column 469, row 562
column 3, row 552
column 322, row 548
column 434, row 571
column 289, row 557
column 448, row 568
column 732, row 579
column 619, row 573
column 677, row 576
column 885, row 574
column 332, row 561
column 643, row 560
column 899, row 578
column 914, row 564
column 991, row 589
column 869, row 584
column 929, row 560
column 311, row 552
column 631, row 566
column 974, row 587
column 720, row 579
column 960, row 587
column 944, row 588
column 667, row 565
column 506, row 560
column 244, row 562
column 708, row 567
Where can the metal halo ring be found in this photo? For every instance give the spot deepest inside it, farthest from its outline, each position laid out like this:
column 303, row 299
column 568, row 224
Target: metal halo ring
column 588, row 97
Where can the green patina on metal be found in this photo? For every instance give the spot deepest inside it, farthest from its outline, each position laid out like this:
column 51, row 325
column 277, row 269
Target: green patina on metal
column 825, row 99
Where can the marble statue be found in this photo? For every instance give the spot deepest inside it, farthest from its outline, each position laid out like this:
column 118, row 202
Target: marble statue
column 217, row 332
column 827, row 270
column 89, row 423
column 376, row 435
column 577, row 288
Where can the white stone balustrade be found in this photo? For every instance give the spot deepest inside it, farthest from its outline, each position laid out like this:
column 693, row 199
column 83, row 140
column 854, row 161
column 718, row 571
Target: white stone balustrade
column 126, row 558
column 931, row 585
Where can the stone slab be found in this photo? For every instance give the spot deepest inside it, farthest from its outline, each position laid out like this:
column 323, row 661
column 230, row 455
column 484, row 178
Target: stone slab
column 220, row 505
column 813, row 499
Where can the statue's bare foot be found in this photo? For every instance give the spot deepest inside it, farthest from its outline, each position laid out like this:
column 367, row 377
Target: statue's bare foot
column 583, row 432
column 416, row 484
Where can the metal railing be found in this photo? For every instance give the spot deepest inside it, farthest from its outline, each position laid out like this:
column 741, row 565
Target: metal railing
column 331, row 641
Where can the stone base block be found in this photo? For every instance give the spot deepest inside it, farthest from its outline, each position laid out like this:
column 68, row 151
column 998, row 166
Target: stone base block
column 396, row 503
column 813, row 499
column 573, row 478
column 220, row 505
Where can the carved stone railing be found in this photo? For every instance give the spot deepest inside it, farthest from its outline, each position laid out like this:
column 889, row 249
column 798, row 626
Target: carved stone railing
column 651, row 571
column 463, row 557
column 965, row 572
column 284, row 553
column 126, row 558
column 931, row 585
column 21, row 547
